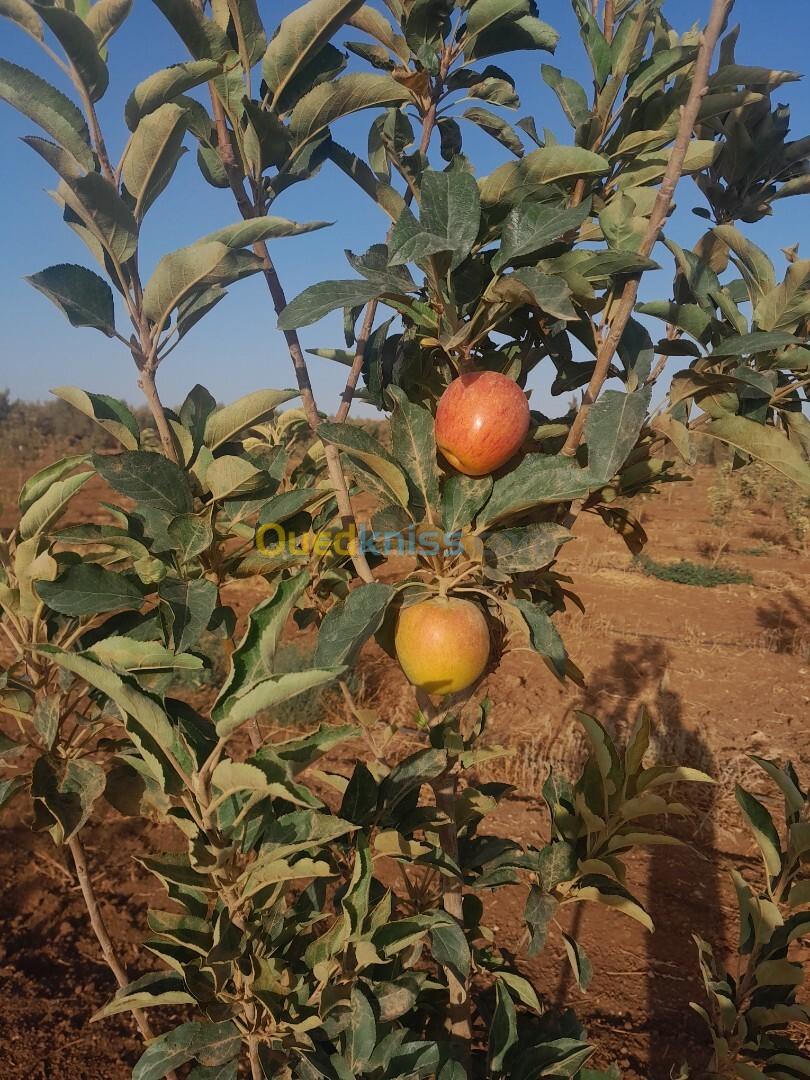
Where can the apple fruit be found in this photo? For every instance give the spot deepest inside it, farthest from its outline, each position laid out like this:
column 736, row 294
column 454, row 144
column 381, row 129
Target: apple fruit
column 442, row 644
column 481, row 421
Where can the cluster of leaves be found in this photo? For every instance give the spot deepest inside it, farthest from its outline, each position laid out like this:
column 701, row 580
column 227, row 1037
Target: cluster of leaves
column 286, row 937
column 753, row 1014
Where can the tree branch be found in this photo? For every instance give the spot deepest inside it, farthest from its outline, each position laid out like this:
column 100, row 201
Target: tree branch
column 249, row 210
column 607, row 349
column 102, row 936
column 428, row 124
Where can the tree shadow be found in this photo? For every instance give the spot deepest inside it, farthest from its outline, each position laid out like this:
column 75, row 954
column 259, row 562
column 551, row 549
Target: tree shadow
column 784, row 622
column 683, row 895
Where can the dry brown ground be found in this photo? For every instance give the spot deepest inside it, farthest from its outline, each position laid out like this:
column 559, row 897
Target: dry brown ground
column 725, row 671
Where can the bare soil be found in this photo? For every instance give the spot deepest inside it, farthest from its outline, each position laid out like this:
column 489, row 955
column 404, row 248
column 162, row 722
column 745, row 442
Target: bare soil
column 724, row 671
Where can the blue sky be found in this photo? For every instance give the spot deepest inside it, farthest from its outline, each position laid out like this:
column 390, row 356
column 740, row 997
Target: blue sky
column 237, row 348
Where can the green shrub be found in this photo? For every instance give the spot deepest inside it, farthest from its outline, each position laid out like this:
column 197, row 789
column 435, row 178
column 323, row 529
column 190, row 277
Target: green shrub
column 685, row 572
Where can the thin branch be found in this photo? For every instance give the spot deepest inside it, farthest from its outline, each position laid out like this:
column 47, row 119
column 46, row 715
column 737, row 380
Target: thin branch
column 334, row 468
column 249, row 210
column 428, row 124
column 102, row 936
column 610, row 19
column 459, row 1010
column 146, row 381
column 689, row 113
column 357, row 365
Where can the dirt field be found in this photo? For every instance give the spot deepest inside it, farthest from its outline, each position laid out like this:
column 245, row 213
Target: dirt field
column 724, row 671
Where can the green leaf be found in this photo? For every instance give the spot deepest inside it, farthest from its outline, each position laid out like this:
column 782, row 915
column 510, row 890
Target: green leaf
column 105, row 17
column 462, row 498
column 231, row 477
column 47, row 508
column 191, row 605
column 155, row 988
column 37, row 485
column 764, row 443
column 209, row 1043
column 148, row 478
column 521, row 988
column 426, row 25
column 656, row 71
column 571, row 95
column 361, row 796
column 141, row 657
column 190, row 269
column 359, row 444
column 761, row 824
column 580, row 964
column 536, row 481
column 609, row 893
column 64, row 795
column 414, row 445
column 330, row 101
column 623, row 228
column 84, row 297
column 754, row 344
column 253, row 658
column 347, row 626
column 97, row 212
column 532, row 226
column 596, row 45
column 299, row 38
column 517, row 180
column 147, row 723
column 191, row 534
column 449, row 946
column 166, row 85
column 9, row 788
column 245, row 233
column 550, row 293
column 88, row 589
column 224, row 425
column 503, row 1033
column 450, row 207
column 539, row 911
column 245, row 24
column 108, row 413
column 543, row 635
column 152, row 155
column 361, row 1031
column 49, row 108
column 79, row 42
column 557, row 862
column 21, row 13
column 201, row 36
column 500, row 130
column 410, row 242
column 737, row 75
column 612, row 430
column 530, row 547
column 497, row 26
column 794, row 798
column 318, row 300
column 269, row 693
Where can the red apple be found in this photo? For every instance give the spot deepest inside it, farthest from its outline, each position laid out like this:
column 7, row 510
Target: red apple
column 481, row 421
column 442, row 644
